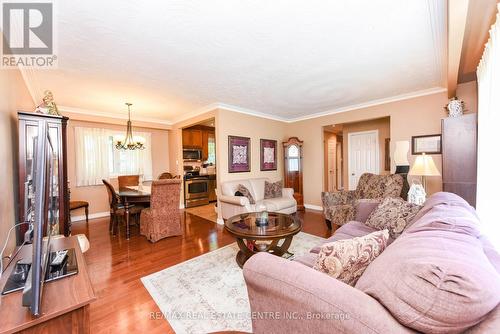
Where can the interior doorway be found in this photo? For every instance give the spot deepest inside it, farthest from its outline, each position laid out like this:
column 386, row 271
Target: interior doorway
column 364, row 155
column 355, row 148
column 333, row 140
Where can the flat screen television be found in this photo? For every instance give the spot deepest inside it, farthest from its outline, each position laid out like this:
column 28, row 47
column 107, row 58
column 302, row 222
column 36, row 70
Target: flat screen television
column 44, row 216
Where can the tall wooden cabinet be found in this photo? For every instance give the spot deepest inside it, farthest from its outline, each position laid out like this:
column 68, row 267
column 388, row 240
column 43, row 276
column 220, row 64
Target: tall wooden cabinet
column 459, row 141
column 28, row 131
column 293, row 169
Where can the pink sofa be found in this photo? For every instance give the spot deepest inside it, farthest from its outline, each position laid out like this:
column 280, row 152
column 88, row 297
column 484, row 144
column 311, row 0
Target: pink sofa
column 440, row 276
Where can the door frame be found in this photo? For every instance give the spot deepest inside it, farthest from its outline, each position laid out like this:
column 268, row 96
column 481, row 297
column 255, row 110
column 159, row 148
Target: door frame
column 377, row 152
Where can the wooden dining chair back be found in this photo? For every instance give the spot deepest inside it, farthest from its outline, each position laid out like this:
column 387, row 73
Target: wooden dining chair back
column 128, row 180
column 113, row 197
column 167, row 176
column 162, row 219
column 116, row 209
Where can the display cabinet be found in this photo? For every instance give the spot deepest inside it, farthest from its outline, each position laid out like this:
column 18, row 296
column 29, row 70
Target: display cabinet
column 28, row 132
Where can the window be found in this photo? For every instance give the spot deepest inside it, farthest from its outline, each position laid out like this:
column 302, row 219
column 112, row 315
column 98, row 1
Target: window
column 293, row 158
column 211, row 150
column 97, row 158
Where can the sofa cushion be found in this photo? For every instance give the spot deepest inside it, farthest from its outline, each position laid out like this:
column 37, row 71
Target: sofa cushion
column 364, row 207
column 436, row 277
column 246, row 192
column 277, row 204
column 230, row 187
column 347, row 259
column 273, row 189
column 308, row 259
column 393, row 213
column 347, row 231
column 258, row 188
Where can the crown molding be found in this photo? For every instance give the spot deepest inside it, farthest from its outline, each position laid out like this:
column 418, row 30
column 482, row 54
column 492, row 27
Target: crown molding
column 372, row 103
column 252, row 112
column 194, row 113
column 238, row 109
column 112, row 116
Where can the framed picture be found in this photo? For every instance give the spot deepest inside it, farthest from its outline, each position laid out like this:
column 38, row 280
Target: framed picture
column 238, row 154
column 430, row 144
column 268, row 154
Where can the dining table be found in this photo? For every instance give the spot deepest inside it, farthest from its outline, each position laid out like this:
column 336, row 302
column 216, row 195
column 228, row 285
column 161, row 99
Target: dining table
column 130, row 195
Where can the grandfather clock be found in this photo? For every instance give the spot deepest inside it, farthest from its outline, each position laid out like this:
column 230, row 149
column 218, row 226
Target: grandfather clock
column 293, row 169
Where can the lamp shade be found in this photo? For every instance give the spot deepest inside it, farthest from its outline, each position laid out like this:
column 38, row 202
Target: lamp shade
column 424, row 166
column 401, row 153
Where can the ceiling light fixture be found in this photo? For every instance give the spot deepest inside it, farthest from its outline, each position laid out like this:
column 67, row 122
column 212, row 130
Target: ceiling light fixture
column 129, row 142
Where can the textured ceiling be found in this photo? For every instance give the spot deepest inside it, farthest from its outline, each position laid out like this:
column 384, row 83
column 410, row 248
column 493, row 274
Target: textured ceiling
column 285, row 58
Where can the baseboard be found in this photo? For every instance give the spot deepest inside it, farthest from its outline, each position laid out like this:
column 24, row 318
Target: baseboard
column 313, row 207
column 91, row 216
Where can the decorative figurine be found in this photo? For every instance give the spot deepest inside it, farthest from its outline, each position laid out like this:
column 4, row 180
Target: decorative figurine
column 48, row 105
column 455, row 107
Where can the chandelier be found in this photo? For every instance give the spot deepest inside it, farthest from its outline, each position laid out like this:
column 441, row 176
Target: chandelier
column 129, row 142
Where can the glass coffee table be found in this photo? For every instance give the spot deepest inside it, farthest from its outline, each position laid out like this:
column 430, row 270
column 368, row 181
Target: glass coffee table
column 255, row 232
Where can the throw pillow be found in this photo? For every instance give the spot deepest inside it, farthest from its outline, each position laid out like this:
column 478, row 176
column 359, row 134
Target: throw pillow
column 394, row 214
column 347, row 259
column 273, row 190
column 245, row 192
column 364, row 207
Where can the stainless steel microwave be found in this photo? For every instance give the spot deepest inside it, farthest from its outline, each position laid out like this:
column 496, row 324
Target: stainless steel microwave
column 191, row 154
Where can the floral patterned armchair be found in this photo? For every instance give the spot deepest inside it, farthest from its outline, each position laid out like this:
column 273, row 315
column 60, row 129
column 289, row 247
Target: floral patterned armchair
column 339, row 206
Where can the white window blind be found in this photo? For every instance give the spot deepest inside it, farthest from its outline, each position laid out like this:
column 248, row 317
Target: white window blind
column 488, row 79
column 97, row 158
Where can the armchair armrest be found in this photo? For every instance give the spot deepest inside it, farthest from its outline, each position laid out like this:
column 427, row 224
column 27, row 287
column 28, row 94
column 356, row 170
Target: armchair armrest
column 287, row 192
column 300, row 299
column 341, row 197
column 234, row 200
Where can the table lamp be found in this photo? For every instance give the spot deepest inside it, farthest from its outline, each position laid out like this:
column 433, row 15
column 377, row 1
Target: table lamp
column 402, row 164
column 424, row 166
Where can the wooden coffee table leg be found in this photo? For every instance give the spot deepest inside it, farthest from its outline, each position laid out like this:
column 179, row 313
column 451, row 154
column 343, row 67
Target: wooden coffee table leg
column 244, row 254
column 286, row 244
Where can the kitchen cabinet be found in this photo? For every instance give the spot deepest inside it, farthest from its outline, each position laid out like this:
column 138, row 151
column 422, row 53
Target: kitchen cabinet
column 192, row 138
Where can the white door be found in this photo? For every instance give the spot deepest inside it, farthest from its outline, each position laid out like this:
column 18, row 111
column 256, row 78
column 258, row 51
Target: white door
column 363, row 155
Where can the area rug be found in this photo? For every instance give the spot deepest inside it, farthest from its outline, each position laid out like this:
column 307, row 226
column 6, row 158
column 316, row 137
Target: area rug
column 206, row 212
column 208, row 293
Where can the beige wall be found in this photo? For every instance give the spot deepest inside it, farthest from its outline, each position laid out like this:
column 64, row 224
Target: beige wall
column 416, row 116
column 468, row 93
column 411, row 117
column 14, row 97
column 256, row 128
column 97, row 195
column 382, row 125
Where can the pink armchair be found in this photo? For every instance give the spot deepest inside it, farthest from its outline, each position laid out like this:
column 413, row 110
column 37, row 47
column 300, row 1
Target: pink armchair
column 163, row 218
column 339, row 206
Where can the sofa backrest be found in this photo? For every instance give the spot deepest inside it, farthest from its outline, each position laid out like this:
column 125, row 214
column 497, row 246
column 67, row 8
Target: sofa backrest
column 255, row 186
column 379, row 186
column 440, row 275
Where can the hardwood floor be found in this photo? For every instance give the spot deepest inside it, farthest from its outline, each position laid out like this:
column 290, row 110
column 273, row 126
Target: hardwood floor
column 116, row 266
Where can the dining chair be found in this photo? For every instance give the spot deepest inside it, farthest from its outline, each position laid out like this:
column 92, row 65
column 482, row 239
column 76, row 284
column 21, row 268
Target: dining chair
column 162, row 219
column 167, row 176
column 128, row 180
column 116, row 209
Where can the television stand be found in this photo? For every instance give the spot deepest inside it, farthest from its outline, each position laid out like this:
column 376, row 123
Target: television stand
column 18, row 275
column 65, row 302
